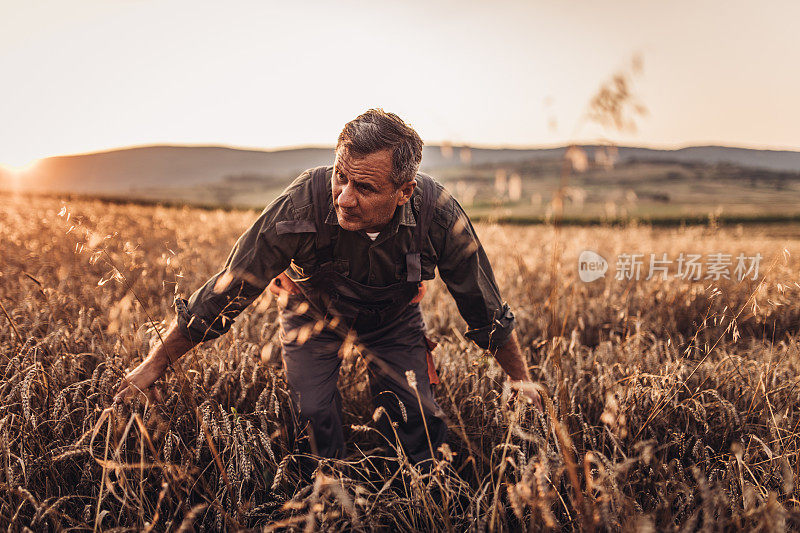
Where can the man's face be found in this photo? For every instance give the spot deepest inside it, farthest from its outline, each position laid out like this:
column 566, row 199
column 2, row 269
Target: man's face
column 364, row 195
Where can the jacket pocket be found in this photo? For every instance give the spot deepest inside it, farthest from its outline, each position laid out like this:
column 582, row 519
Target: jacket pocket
column 341, row 266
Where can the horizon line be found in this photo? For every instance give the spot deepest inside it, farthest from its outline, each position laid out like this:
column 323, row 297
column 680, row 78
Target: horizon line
column 487, row 146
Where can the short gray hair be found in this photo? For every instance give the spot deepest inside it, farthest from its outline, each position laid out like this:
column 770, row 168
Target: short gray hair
column 377, row 130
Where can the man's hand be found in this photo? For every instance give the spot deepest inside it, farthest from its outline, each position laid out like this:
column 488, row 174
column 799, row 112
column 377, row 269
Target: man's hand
column 529, row 390
column 509, row 357
column 155, row 364
column 140, row 378
column 282, row 285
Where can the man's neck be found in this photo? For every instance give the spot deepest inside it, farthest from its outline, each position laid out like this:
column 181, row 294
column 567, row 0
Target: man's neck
column 378, row 229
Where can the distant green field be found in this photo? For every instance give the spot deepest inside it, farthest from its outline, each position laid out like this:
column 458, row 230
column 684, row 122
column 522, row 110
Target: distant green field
column 660, row 193
column 645, row 191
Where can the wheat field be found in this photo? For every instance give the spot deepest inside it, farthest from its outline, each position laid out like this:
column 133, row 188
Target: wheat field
column 672, row 403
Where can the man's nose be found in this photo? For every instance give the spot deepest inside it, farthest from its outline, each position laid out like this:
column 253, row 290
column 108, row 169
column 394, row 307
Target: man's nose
column 347, row 198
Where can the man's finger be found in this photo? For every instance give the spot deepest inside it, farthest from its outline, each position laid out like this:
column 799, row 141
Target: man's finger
column 156, row 395
column 126, row 390
column 123, row 392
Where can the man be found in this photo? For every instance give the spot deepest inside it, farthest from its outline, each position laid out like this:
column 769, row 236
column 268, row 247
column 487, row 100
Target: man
column 348, row 247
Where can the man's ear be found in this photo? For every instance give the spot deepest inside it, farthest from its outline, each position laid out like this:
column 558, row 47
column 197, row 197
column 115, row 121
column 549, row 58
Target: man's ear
column 406, row 191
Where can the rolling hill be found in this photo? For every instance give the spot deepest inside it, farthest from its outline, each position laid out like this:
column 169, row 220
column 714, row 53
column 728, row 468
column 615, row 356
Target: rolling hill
column 693, row 180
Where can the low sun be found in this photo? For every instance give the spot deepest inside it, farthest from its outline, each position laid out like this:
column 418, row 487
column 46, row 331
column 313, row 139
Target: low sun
column 18, row 170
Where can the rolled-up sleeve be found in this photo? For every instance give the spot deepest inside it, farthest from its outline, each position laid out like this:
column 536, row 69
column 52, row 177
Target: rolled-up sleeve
column 468, row 275
column 261, row 253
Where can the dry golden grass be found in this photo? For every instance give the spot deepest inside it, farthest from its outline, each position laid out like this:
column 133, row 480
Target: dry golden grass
column 673, row 404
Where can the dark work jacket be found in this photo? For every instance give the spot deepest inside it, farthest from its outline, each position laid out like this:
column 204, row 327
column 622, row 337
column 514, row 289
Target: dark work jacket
column 283, row 239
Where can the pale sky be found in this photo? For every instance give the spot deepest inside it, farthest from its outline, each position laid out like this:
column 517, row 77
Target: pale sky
column 88, row 75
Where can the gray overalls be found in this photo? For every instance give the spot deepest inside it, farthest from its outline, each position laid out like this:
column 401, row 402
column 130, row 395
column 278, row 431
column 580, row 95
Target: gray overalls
column 390, row 335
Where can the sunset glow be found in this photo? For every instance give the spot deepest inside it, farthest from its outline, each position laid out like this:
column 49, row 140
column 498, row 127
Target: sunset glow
column 18, row 171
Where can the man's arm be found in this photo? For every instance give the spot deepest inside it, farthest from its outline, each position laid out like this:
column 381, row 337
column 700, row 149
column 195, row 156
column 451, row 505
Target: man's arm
column 262, row 252
column 465, row 269
column 174, row 345
column 509, row 357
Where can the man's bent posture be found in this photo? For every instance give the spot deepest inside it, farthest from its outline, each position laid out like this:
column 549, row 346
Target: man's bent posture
column 349, row 246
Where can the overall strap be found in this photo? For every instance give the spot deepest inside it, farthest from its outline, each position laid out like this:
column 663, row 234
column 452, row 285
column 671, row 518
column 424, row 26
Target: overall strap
column 414, row 258
column 319, row 197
